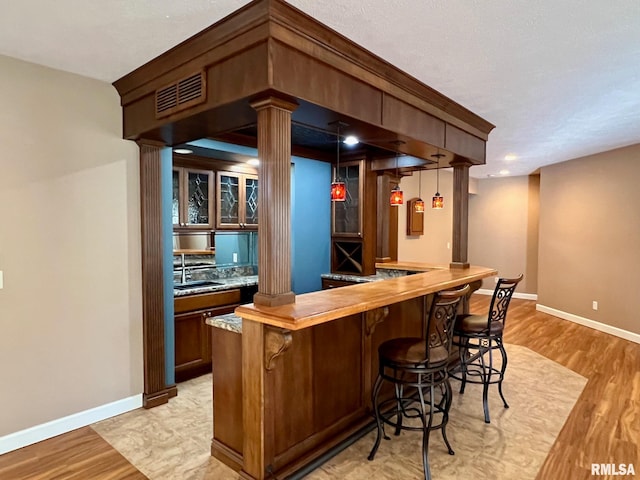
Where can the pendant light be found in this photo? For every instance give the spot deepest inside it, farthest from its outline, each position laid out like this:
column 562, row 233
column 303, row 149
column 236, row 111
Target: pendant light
column 396, row 194
column 338, row 187
column 438, row 200
column 418, row 205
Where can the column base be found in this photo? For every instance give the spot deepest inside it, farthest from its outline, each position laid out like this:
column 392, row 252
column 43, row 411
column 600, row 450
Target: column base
column 459, row 265
column 150, row 400
column 274, row 300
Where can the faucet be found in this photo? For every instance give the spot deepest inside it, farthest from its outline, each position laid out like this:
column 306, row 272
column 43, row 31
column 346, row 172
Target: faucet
column 184, row 270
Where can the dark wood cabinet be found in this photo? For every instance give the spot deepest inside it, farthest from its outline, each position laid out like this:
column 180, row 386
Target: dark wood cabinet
column 192, row 198
column 192, row 345
column 353, row 222
column 346, row 216
column 328, row 283
column 237, row 200
column 193, row 335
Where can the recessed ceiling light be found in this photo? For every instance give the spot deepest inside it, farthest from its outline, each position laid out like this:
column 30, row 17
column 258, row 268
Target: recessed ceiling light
column 351, row 140
column 490, row 175
column 183, row 151
column 504, row 172
column 254, row 162
column 510, row 156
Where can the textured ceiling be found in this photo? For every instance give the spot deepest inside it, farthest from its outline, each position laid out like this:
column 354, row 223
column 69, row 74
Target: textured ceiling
column 559, row 79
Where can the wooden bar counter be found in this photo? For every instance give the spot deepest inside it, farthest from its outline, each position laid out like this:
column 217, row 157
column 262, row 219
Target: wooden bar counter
column 296, row 383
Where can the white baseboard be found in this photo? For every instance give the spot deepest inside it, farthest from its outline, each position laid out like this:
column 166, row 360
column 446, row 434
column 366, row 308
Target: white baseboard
column 603, row 327
column 523, row 296
column 35, row 434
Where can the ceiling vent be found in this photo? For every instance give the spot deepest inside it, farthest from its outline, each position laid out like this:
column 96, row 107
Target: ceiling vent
column 180, row 95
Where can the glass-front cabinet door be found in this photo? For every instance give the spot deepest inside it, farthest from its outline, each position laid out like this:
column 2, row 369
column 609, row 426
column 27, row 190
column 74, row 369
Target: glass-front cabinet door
column 237, row 200
column 347, row 215
column 192, row 198
column 251, row 201
column 228, row 200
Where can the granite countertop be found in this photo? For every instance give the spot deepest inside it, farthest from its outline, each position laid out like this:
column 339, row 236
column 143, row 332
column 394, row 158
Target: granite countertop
column 229, row 321
column 353, row 278
column 385, row 271
column 222, row 284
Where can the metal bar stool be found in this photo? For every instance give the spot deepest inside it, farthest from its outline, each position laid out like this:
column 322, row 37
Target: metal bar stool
column 477, row 337
column 417, row 368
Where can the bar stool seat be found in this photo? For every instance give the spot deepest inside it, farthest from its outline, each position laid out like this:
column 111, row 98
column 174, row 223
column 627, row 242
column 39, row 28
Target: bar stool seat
column 478, row 324
column 478, row 337
column 411, row 351
column 417, row 368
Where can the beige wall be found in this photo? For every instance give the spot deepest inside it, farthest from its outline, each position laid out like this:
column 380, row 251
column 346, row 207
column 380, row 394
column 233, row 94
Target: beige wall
column 503, row 228
column 70, row 310
column 435, row 245
column 590, row 237
column 503, row 222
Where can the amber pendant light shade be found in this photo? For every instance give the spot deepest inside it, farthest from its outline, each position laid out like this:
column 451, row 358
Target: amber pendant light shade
column 437, row 202
column 338, row 191
column 397, row 197
column 338, row 187
column 418, row 205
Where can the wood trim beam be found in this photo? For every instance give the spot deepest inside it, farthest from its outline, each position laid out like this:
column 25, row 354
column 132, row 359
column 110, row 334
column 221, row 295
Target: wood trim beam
column 266, row 21
column 403, row 162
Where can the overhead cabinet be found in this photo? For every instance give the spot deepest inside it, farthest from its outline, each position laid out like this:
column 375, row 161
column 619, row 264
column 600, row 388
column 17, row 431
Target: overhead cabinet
column 237, row 200
column 192, row 202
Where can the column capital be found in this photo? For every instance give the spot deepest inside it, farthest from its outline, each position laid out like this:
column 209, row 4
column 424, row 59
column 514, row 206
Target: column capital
column 276, row 101
column 461, row 163
column 150, row 143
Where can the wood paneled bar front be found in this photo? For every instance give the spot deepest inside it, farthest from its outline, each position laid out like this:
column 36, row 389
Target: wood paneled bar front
column 304, row 371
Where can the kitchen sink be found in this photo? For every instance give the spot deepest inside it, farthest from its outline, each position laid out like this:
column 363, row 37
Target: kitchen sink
column 195, row 284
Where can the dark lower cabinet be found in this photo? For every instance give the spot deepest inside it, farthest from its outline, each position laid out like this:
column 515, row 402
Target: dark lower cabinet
column 330, row 283
column 193, row 335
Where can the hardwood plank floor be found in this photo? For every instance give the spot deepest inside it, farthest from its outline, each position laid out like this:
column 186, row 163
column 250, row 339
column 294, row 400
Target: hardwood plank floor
column 78, row 455
column 603, row 427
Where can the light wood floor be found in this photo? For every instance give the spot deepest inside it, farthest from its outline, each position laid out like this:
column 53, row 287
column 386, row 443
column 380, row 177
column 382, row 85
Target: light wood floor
column 604, row 426
column 78, row 455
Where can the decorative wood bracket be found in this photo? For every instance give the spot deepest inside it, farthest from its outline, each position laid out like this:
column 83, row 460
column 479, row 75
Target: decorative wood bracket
column 276, row 342
column 374, row 317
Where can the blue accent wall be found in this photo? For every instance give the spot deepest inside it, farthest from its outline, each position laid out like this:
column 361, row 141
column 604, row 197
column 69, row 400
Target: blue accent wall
column 311, row 224
column 166, row 159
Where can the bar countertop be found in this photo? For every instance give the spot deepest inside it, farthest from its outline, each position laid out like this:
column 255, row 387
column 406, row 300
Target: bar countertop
column 324, row 306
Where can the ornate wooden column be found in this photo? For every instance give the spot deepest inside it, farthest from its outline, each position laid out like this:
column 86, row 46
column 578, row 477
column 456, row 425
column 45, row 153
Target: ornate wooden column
column 155, row 389
column 261, row 344
column 274, row 201
column 460, row 213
